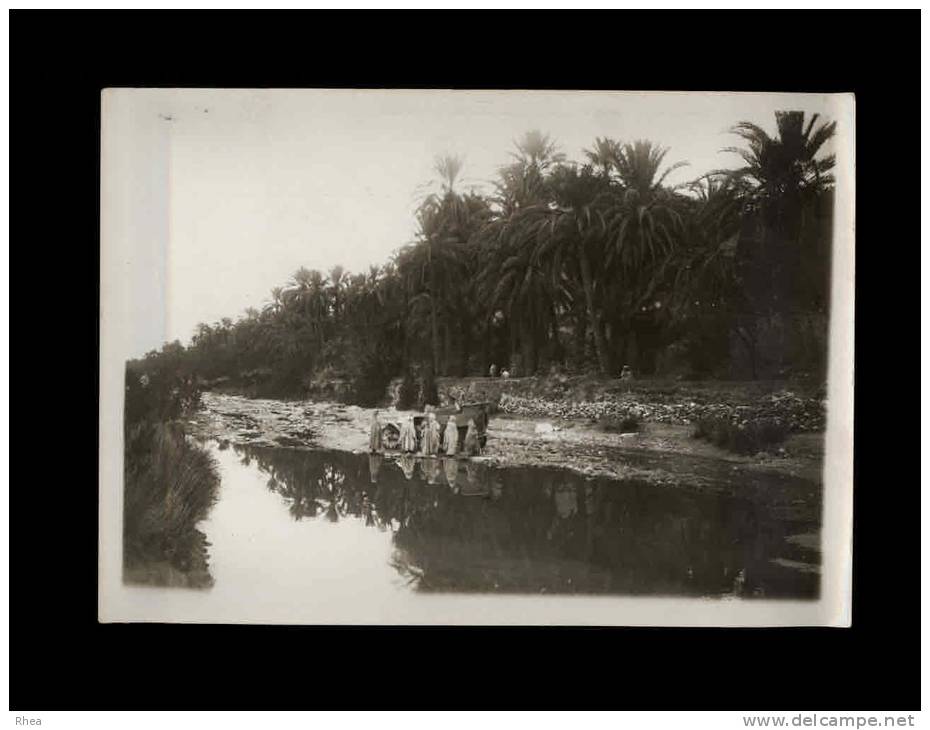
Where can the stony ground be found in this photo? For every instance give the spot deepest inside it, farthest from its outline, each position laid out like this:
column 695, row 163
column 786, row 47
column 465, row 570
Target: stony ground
column 660, row 453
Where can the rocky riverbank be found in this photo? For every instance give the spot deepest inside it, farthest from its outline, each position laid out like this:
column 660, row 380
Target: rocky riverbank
column 800, row 407
column 659, row 453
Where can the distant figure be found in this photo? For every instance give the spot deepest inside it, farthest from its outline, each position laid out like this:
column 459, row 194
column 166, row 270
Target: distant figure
column 374, row 434
column 493, row 370
column 626, row 373
column 450, row 440
column 408, row 436
column 505, row 374
column 472, row 448
column 144, row 380
column 431, row 435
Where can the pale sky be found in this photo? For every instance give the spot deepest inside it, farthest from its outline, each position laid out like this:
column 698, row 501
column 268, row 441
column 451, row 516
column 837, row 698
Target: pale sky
column 216, row 196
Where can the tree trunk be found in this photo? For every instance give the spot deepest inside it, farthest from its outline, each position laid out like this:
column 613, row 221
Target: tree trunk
column 555, row 342
column 581, row 336
column 600, row 346
column 432, row 303
column 749, row 342
column 448, row 349
column 488, row 345
column 465, row 351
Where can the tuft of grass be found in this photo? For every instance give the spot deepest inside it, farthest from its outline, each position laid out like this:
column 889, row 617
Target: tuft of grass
column 170, row 484
column 741, row 437
column 630, row 423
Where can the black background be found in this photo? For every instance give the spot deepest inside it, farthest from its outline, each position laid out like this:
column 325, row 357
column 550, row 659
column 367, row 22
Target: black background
column 61, row 658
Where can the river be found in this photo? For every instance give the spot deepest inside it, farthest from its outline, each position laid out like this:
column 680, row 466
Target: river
column 336, row 531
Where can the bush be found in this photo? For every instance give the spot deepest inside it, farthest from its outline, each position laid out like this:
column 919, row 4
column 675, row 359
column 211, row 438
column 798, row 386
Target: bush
column 627, row 424
column 429, row 394
column 741, row 437
column 158, row 396
column 407, row 393
column 370, row 381
column 170, row 485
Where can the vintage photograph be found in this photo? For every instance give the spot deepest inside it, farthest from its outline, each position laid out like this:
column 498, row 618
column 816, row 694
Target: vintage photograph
column 394, row 356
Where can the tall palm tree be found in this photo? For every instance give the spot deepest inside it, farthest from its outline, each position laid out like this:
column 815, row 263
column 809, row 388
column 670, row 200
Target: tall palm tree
column 644, row 222
column 522, row 183
column 308, row 294
column 446, row 221
column 603, row 155
column 783, row 179
column 787, row 163
column 577, row 228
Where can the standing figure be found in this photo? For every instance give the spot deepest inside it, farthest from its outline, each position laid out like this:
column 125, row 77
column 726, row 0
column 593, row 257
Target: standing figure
column 431, row 436
column 374, row 434
column 471, row 439
column 408, row 436
column 493, row 370
column 626, row 376
column 450, row 441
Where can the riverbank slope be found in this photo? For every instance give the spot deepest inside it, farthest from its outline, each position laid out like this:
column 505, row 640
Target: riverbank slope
column 663, row 453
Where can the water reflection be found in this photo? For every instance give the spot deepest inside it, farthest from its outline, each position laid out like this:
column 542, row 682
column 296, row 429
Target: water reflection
column 463, row 526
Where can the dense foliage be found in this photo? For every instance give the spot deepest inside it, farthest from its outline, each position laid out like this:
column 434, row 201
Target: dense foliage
column 170, row 483
column 577, row 266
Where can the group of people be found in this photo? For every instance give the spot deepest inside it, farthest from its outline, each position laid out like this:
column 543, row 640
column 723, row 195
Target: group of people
column 432, row 439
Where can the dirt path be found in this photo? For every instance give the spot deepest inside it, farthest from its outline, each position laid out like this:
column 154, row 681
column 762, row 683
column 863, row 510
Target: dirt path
column 661, row 453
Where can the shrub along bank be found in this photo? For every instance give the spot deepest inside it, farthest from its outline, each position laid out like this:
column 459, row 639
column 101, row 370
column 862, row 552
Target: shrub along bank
column 169, row 485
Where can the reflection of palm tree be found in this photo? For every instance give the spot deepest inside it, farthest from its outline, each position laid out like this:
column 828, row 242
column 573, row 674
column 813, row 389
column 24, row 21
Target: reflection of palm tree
column 608, row 538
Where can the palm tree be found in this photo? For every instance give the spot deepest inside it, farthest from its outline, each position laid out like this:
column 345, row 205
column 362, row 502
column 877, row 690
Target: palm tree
column 577, row 228
column 786, row 164
column 437, row 263
column 782, row 179
column 603, row 155
column 308, row 294
column 516, row 278
column 638, row 166
column 513, row 275
column 337, row 280
column 644, row 224
column 522, row 183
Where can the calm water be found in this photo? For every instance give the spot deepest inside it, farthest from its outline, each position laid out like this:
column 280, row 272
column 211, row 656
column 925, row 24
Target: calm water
column 332, row 529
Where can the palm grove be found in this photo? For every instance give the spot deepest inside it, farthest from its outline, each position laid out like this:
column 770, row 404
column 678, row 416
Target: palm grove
column 576, row 266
